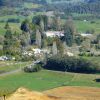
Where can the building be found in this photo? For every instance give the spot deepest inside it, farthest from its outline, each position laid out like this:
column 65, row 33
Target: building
column 54, row 33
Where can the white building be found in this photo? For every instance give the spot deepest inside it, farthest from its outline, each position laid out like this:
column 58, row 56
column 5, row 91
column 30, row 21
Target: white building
column 86, row 35
column 3, row 58
column 54, row 33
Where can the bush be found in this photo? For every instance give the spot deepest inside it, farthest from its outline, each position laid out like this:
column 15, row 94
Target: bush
column 12, row 20
column 32, row 68
column 70, row 64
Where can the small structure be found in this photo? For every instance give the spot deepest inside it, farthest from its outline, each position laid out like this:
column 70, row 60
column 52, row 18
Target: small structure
column 70, row 54
column 85, row 34
column 3, row 58
column 54, row 33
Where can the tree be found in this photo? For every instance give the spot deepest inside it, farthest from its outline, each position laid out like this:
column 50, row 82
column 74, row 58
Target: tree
column 25, row 36
column 56, row 23
column 69, row 37
column 25, row 39
column 16, row 44
column 38, row 38
column 60, row 46
column 54, row 48
column 25, row 26
column 7, row 26
column 79, row 39
column 7, row 42
column 42, row 25
column 69, row 31
column 41, row 21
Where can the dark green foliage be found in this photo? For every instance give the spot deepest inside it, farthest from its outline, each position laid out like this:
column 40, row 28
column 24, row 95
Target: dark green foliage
column 11, row 45
column 79, row 39
column 25, row 26
column 7, row 26
column 69, row 31
column 71, row 64
column 13, row 20
column 69, row 36
column 7, row 42
column 37, row 20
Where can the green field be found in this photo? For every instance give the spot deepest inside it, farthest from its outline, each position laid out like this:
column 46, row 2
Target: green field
column 83, row 26
column 14, row 27
column 45, row 80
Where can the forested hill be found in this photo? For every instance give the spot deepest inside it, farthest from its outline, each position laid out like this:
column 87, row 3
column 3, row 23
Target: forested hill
column 68, row 6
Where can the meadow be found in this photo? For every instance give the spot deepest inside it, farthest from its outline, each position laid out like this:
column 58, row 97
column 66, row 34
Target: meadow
column 83, row 26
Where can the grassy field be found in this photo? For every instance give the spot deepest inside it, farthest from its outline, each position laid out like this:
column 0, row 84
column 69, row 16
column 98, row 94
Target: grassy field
column 10, row 66
column 83, row 26
column 14, row 27
column 45, row 80
column 93, row 59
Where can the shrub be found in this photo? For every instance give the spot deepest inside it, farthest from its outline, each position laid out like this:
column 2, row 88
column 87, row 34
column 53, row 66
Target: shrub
column 32, row 68
column 70, row 64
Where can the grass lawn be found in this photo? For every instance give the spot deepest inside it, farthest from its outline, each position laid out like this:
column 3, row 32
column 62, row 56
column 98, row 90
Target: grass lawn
column 45, row 80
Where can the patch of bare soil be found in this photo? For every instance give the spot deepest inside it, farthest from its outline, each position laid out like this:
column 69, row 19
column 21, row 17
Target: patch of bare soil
column 75, row 93
column 25, row 94
column 61, row 93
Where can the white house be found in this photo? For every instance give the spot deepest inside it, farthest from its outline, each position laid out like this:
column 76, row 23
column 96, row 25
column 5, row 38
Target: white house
column 54, row 33
column 70, row 54
column 3, row 58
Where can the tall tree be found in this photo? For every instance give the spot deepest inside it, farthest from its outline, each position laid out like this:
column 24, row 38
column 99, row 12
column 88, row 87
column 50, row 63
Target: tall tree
column 69, row 31
column 25, row 26
column 7, row 42
column 25, row 36
column 38, row 38
column 42, row 25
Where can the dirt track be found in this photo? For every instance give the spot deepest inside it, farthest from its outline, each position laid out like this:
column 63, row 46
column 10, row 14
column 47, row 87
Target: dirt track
column 61, row 93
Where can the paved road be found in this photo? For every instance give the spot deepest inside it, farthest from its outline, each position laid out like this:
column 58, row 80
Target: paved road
column 11, row 72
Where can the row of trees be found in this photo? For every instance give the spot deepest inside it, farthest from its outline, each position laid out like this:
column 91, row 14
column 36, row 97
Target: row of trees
column 71, row 64
column 81, row 7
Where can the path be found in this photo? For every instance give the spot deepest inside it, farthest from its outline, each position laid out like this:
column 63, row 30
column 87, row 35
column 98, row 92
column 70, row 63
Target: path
column 11, row 72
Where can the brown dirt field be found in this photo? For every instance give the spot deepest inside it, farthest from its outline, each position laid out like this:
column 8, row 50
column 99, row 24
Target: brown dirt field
column 25, row 94
column 61, row 93
column 75, row 93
